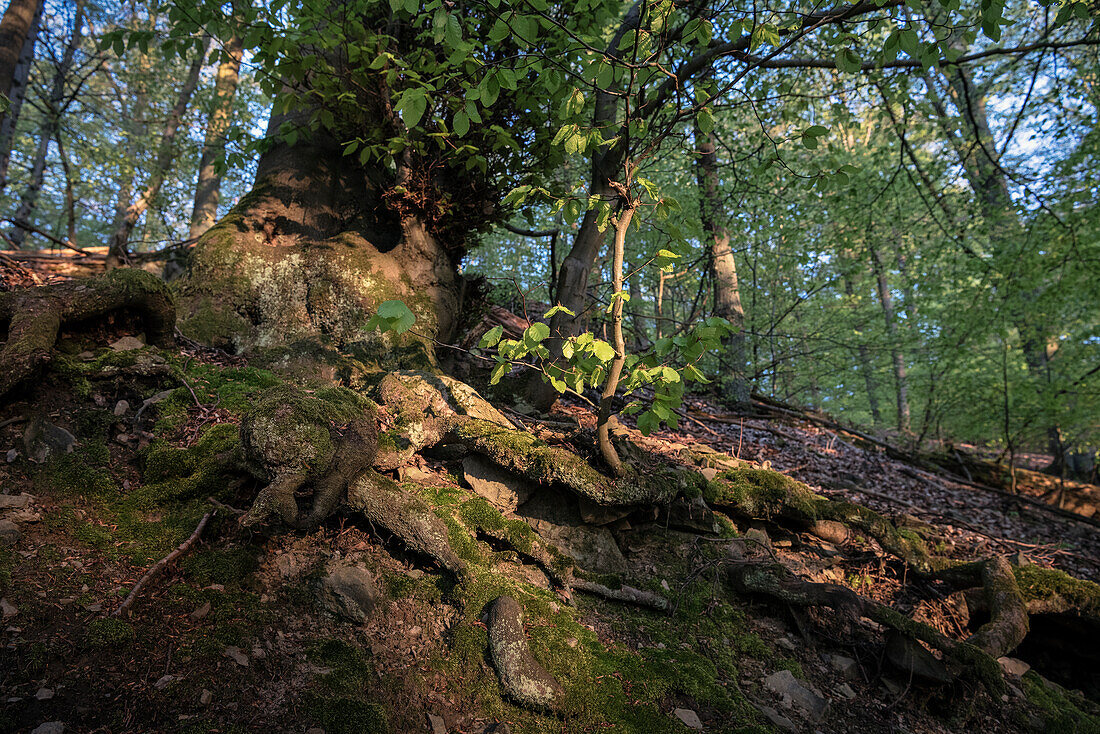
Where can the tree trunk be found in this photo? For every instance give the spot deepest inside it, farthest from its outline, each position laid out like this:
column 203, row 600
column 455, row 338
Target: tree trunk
column 901, row 378
column 735, row 386
column 208, row 188
column 306, row 257
column 166, row 153
column 18, row 33
column 865, row 366
column 638, row 322
column 50, row 128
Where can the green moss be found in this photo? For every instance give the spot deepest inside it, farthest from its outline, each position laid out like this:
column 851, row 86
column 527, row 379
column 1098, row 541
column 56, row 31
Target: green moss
column 1048, row 584
column 1062, row 712
column 199, row 471
column 761, row 493
column 108, row 632
column 348, row 715
column 83, row 472
column 221, row 565
column 334, row 699
column 459, row 539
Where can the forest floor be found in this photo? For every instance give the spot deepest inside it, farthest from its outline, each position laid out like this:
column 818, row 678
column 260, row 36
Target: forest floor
column 240, row 635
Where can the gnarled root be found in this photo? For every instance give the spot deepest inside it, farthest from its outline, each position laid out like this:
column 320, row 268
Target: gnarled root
column 521, row 676
column 962, row 658
column 36, row 315
column 382, row 502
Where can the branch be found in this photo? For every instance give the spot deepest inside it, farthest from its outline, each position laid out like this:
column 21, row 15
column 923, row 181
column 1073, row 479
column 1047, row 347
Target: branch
column 161, row 565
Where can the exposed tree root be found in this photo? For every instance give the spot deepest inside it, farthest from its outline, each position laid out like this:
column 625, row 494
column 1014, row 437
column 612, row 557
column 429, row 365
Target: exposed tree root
column 382, row 502
column 521, row 676
column 35, row 316
column 626, row 594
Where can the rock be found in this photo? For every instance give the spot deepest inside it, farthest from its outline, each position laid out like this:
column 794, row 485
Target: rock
column 205, row 697
column 845, row 666
column 50, row 727
column 43, row 440
column 787, row 644
column 846, row 691
column 709, row 473
column 349, row 592
column 594, row 514
column 163, row 682
column 555, row 517
column 201, row 612
column 689, row 718
column 776, row 718
column 693, row 515
column 9, row 533
column 7, row 609
column 500, row 488
column 44, row 694
column 793, row 692
column 235, row 654
column 912, row 657
column 12, row 455
column 15, row 501
column 122, row 407
column 1013, row 667
column 437, row 724
column 26, row 515
column 287, row 565
column 127, row 343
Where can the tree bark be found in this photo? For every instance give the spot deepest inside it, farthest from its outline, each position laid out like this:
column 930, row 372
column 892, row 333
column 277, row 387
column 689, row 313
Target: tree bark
column 50, row 127
column 18, row 33
column 208, row 187
column 735, row 385
column 901, row 377
column 166, row 153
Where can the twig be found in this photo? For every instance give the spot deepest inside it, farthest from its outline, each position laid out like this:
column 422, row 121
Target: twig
column 161, row 565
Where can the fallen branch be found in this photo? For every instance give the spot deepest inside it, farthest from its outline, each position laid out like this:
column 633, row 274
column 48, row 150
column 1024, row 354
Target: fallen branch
column 623, row 594
column 161, row 565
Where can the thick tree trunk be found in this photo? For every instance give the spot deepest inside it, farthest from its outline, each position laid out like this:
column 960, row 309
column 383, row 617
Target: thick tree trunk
column 166, row 153
column 901, row 377
column 18, row 33
column 735, row 385
column 50, row 128
column 307, row 256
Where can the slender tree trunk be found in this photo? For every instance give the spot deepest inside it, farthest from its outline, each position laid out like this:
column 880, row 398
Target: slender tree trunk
column 208, row 188
column 865, row 366
column 50, row 127
column 18, row 33
column 603, row 421
column 901, row 378
column 166, row 152
column 735, row 385
column 638, row 324
column 70, row 196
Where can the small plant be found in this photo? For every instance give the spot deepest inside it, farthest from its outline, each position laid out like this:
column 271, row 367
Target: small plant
column 108, row 632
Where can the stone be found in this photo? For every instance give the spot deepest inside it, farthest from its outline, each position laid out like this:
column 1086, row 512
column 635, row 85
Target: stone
column 555, row 517
column 50, row 727
column 349, row 591
column 206, row 697
column 43, row 440
column 912, row 657
column 163, row 682
column 500, row 488
column 787, row 644
column 44, row 694
column 7, row 609
column 693, row 515
column 709, row 473
column 12, row 455
column 127, row 344
column 15, row 501
column 437, row 724
column 122, row 407
column 201, row 612
column 689, row 718
column 794, row 693
column 776, row 718
column 594, row 514
column 287, row 565
column 845, row 666
column 9, row 533
column 1013, row 666
column 846, row 691
column 235, row 654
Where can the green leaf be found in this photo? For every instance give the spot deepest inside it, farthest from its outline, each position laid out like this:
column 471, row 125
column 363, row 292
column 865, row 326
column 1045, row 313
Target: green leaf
column 603, row 351
column 498, row 372
column 557, row 309
column 535, row 333
column 398, row 316
column 461, row 123
column 491, row 337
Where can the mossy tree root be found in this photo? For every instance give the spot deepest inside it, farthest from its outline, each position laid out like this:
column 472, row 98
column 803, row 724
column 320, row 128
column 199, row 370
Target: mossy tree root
column 35, row 316
column 774, row 581
column 762, row 494
column 384, row 504
column 1000, row 595
column 521, row 676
